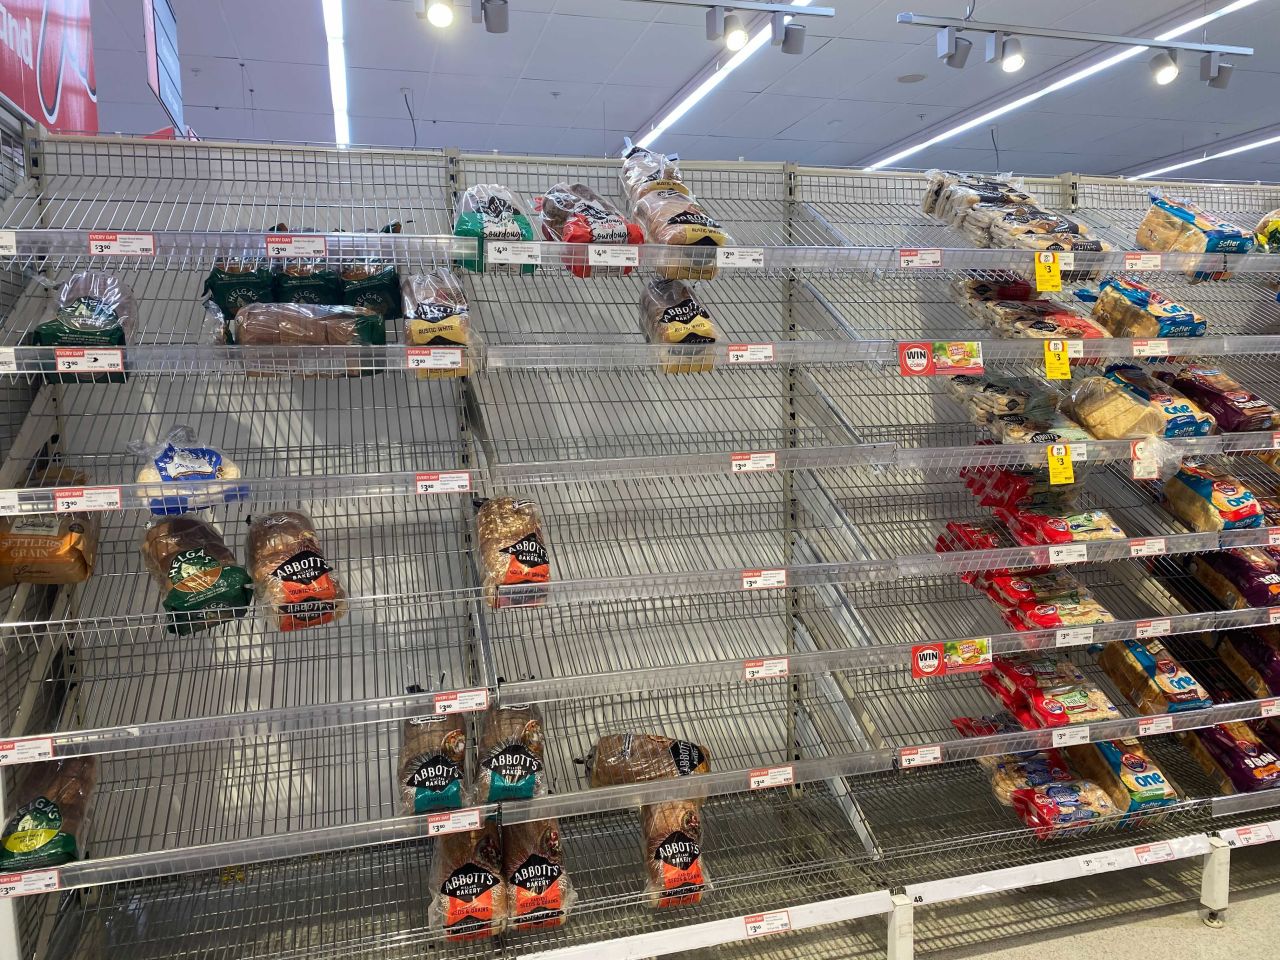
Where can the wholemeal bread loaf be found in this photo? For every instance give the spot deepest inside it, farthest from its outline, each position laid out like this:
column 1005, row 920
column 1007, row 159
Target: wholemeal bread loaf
column 45, row 818
column 296, row 584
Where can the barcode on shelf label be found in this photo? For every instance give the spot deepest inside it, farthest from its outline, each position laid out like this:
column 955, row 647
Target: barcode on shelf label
column 753, row 462
column 1145, row 629
column 455, row 821
column 766, row 668
column 1143, row 261
column 1269, row 707
column 914, row 257
column 457, row 481
column 79, row 499
column 1153, row 853
column 462, row 701
column 296, row 245
column 1079, row 452
column 759, row 924
column 1149, row 726
column 433, row 358
column 1151, row 348
column 1247, row 836
column 613, row 255
column 1074, row 636
column 8, row 243
column 1149, row 547
column 112, row 244
column 919, row 756
column 510, row 251
column 767, row 777
column 1069, row 553
column 1071, row 736
column 85, row 360
column 763, row 579
column 29, row 750
column 1107, row 860
column 743, row 258
column 8, row 360
column 751, row 353
column 24, row 884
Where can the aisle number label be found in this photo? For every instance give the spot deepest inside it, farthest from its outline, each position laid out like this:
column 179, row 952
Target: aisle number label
column 1143, row 261
column 766, row 668
column 1069, row 553
column 753, row 462
column 1147, row 853
column 741, row 258
column 85, row 360
column 760, row 924
column 8, row 243
column 912, row 258
column 1145, row 465
column 763, row 579
column 82, row 499
column 296, row 245
column 613, row 255
column 456, row 481
column 1071, row 736
column 1048, row 272
column 909, row 757
column 1151, row 348
column 768, row 777
column 1269, row 707
column 455, row 821
column 515, row 252
column 1149, row 726
column 1061, row 470
column 24, row 884
column 1073, row 636
column 1146, row 629
column 461, row 701
column 433, row 358
column 751, row 353
column 1149, row 547
column 30, row 750
column 1248, row 836
column 1058, row 355
column 112, row 244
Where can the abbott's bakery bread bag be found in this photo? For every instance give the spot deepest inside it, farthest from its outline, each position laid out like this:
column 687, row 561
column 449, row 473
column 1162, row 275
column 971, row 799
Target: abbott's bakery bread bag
column 436, row 314
column 644, row 171
column 539, row 892
column 672, row 846
column 489, row 213
column 510, row 750
column 181, row 457
column 297, row 586
column 512, row 551
column 574, row 213
column 469, row 894
column 433, row 763
column 641, row 757
column 670, row 315
column 201, row 582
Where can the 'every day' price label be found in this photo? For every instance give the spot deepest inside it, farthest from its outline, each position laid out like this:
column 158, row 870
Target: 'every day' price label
column 759, row 924
column 433, row 358
column 457, row 481
column 296, row 245
column 461, row 701
column 85, row 360
column 455, row 821
column 83, row 499
column 112, row 244
column 30, row 750
column 24, row 884
column 763, row 579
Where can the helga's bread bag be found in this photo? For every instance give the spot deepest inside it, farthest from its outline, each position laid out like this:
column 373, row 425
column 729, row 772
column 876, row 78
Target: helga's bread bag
column 232, row 284
column 202, row 583
column 45, row 818
column 296, row 584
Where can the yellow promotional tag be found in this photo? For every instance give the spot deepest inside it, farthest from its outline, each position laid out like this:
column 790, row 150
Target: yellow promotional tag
column 1048, row 273
column 1057, row 364
column 1060, row 468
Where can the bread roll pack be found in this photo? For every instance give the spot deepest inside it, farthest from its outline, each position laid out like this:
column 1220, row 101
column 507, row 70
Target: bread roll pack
column 670, row 315
column 489, row 213
column 433, row 763
column 539, row 892
column 512, row 551
column 1207, row 499
column 202, row 583
column 46, row 817
column 179, row 458
column 470, row 900
column 296, row 584
column 1151, row 678
column 511, row 764
column 1063, row 808
column 1179, row 226
column 50, row 548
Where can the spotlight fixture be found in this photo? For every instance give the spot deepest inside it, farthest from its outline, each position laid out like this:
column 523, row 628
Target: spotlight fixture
column 1214, row 72
column 735, row 34
column 494, row 13
column 1005, row 50
column 439, row 13
column 1164, row 67
column 953, row 50
column 788, row 36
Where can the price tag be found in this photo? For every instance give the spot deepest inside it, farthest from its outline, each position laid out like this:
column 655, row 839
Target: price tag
column 1151, row 348
column 1069, row 553
column 8, row 360
column 1061, row 470
column 914, row 258
column 1153, row 853
column 84, row 360
column 1150, row 726
column 122, row 244
column 763, row 579
column 766, row 668
column 1149, row 547
column 1074, row 636
column 82, row 499
column 512, row 251
column 1110, row 860
column 8, row 243
column 613, row 255
column 1145, row 466
column 24, row 884
column 1275, row 441
column 433, row 358
column 751, row 353
column 296, row 245
column 29, row 750
column 1071, row 736
column 461, row 701
column 455, row 821
column 743, row 258
column 1248, row 836
column 909, row 757
column 1143, row 261
column 1269, row 707
column 1048, row 272
column 1146, row 629
column 767, row 777
column 1057, row 357
column 1273, row 538
column 457, row 481
column 759, row 924
column 1273, row 616
column 9, row 503
column 752, row 462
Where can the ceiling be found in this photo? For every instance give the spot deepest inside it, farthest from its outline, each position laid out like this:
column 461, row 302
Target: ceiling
column 576, row 76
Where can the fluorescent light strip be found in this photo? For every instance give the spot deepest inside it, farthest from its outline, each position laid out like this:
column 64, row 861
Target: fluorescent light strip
column 1214, row 156
column 706, row 86
column 337, row 71
column 1067, row 81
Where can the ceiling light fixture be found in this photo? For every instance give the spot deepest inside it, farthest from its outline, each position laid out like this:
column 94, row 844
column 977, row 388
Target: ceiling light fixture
column 1005, row 50
column 1164, row 67
column 439, row 13
column 336, row 38
column 788, row 36
column 1214, row 72
column 1062, row 83
column 1254, row 145
column 953, row 50
column 735, row 34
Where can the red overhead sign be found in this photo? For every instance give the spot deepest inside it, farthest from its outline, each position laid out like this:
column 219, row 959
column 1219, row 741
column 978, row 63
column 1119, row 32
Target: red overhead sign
column 46, row 62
